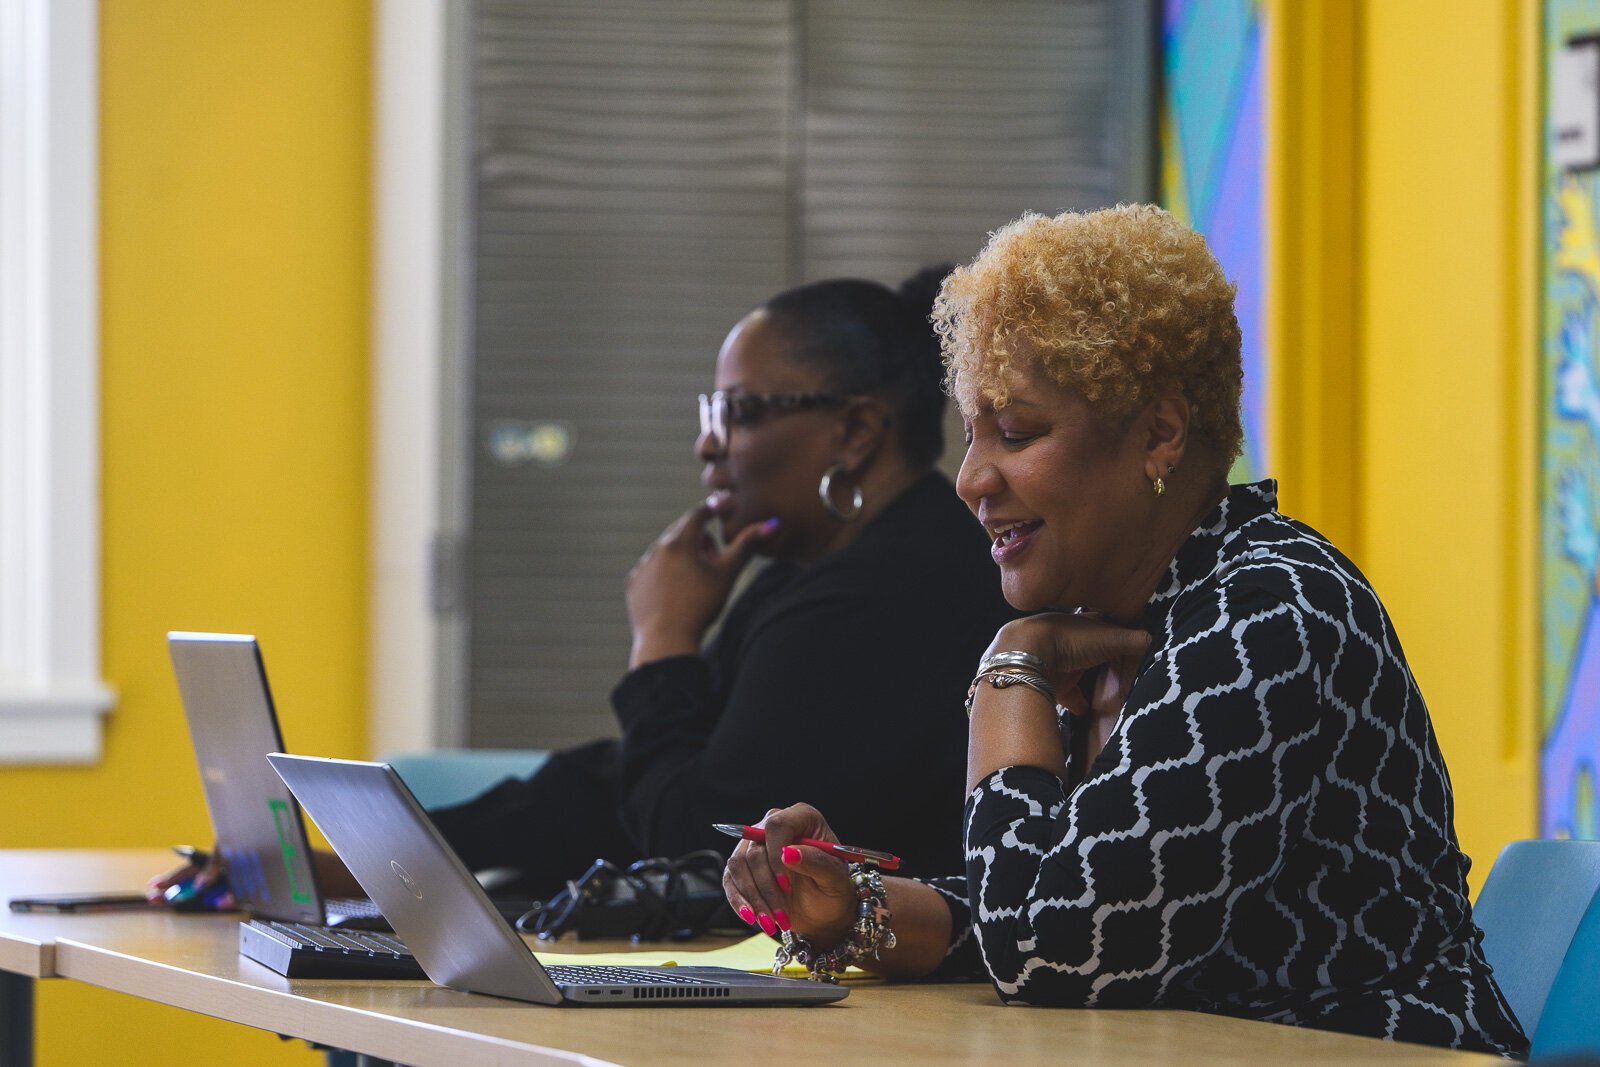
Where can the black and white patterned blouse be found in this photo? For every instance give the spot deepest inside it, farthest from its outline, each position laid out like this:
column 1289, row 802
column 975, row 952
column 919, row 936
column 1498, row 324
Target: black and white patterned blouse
column 1268, row 832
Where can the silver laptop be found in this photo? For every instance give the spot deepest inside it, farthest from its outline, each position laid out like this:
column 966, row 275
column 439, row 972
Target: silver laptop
column 390, row 845
column 259, row 831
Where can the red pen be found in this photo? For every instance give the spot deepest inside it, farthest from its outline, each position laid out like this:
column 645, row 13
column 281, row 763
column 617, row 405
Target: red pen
column 845, row 852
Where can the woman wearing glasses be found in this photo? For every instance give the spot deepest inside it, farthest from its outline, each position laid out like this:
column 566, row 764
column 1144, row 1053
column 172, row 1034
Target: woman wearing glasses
column 841, row 665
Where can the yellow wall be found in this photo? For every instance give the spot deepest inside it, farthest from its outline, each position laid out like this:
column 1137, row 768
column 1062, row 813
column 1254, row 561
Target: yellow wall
column 1446, row 294
column 234, row 173
column 235, row 140
column 1419, row 185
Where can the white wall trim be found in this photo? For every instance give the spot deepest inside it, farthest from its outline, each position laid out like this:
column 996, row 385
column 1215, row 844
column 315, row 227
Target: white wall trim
column 51, row 694
column 409, row 319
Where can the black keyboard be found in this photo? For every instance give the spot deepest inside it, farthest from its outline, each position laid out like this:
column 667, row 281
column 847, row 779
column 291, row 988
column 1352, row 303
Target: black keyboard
column 354, row 913
column 300, row 950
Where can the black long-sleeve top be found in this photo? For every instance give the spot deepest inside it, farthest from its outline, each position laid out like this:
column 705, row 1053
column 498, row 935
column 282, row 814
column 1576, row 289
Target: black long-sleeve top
column 1268, row 831
column 844, row 680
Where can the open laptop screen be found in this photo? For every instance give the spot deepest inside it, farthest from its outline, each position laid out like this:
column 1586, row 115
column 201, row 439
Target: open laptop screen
column 392, row 847
column 232, row 724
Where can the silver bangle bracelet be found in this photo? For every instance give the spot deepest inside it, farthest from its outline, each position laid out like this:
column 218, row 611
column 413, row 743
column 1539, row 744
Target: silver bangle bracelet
column 1027, row 661
column 1005, row 678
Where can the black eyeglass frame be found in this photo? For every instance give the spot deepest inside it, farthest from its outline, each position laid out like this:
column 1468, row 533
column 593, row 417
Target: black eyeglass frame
column 722, row 410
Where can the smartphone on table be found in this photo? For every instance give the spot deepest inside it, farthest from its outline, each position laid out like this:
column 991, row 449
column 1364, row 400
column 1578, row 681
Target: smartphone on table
column 73, row 903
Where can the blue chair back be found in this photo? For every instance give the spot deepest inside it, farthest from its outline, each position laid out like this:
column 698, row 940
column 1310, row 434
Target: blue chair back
column 445, row 777
column 1570, row 1025
column 1530, row 908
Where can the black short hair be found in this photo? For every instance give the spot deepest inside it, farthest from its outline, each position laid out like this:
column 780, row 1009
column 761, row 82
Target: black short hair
column 870, row 340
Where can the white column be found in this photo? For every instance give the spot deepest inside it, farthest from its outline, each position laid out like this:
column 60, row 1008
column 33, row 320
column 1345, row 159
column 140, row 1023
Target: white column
column 413, row 342
column 51, row 693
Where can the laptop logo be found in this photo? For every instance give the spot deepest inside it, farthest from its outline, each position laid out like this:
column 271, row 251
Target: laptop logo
column 410, row 882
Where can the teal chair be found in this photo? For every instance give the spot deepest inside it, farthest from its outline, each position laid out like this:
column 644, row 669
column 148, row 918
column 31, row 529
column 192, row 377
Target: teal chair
column 450, row 776
column 1529, row 910
column 1570, row 1025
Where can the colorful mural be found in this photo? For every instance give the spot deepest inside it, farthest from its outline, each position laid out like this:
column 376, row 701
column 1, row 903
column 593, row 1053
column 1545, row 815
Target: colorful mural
column 1211, row 167
column 1569, row 479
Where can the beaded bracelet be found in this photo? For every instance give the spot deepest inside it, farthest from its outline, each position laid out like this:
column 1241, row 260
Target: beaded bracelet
column 867, row 937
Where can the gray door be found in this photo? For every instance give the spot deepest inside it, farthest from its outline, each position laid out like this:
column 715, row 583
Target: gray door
column 643, row 172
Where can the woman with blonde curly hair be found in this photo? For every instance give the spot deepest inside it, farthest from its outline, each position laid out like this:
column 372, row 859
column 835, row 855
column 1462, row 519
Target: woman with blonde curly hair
column 1202, row 775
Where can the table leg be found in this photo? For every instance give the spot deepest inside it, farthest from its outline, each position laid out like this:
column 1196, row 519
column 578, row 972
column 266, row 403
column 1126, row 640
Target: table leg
column 16, row 1020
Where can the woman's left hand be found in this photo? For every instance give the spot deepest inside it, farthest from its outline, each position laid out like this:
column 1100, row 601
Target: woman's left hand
column 1074, row 648
column 1070, row 645
column 682, row 581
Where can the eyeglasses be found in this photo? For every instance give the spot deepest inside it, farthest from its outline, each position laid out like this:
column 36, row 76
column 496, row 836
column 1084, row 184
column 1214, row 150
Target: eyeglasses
column 721, row 411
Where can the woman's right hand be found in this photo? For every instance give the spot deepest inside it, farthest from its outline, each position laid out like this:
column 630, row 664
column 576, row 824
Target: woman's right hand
column 778, row 884
column 682, row 581
column 200, row 884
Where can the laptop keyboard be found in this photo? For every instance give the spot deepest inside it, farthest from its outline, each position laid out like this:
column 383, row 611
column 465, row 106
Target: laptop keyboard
column 351, row 908
column 596, row 974
column 301, row 950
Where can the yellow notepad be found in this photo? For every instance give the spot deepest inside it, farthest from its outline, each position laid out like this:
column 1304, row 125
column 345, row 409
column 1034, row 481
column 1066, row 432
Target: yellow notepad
column 751, row 954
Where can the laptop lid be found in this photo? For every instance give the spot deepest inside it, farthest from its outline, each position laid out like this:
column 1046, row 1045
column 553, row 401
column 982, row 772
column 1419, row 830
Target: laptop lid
column 460, row 939
column 232, row 725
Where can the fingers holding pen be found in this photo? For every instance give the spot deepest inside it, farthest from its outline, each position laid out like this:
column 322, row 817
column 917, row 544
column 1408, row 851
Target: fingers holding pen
column 784, row 827
column 751, row 887
column 756, row 873
column 822, row 903
column 790, row 885
column 813, row 864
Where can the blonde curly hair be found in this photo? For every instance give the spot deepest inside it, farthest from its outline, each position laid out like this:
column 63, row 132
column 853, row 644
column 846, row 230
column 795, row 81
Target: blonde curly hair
column 1120, row 305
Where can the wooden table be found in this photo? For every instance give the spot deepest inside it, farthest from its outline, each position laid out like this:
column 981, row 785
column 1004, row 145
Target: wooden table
column 28, row 941
column 192, row 962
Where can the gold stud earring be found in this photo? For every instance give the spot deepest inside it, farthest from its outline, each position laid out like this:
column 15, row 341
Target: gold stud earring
column 1159, row 485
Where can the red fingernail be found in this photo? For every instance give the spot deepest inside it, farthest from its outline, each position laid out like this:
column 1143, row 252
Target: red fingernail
column 767, row 925
column 785, row 885
column 747, row 914
column 791, row 855
column 783, row 920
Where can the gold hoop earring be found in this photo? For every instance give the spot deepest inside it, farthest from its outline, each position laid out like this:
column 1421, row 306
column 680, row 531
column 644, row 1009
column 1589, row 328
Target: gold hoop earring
column 825, row 491
column 1159, row 485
